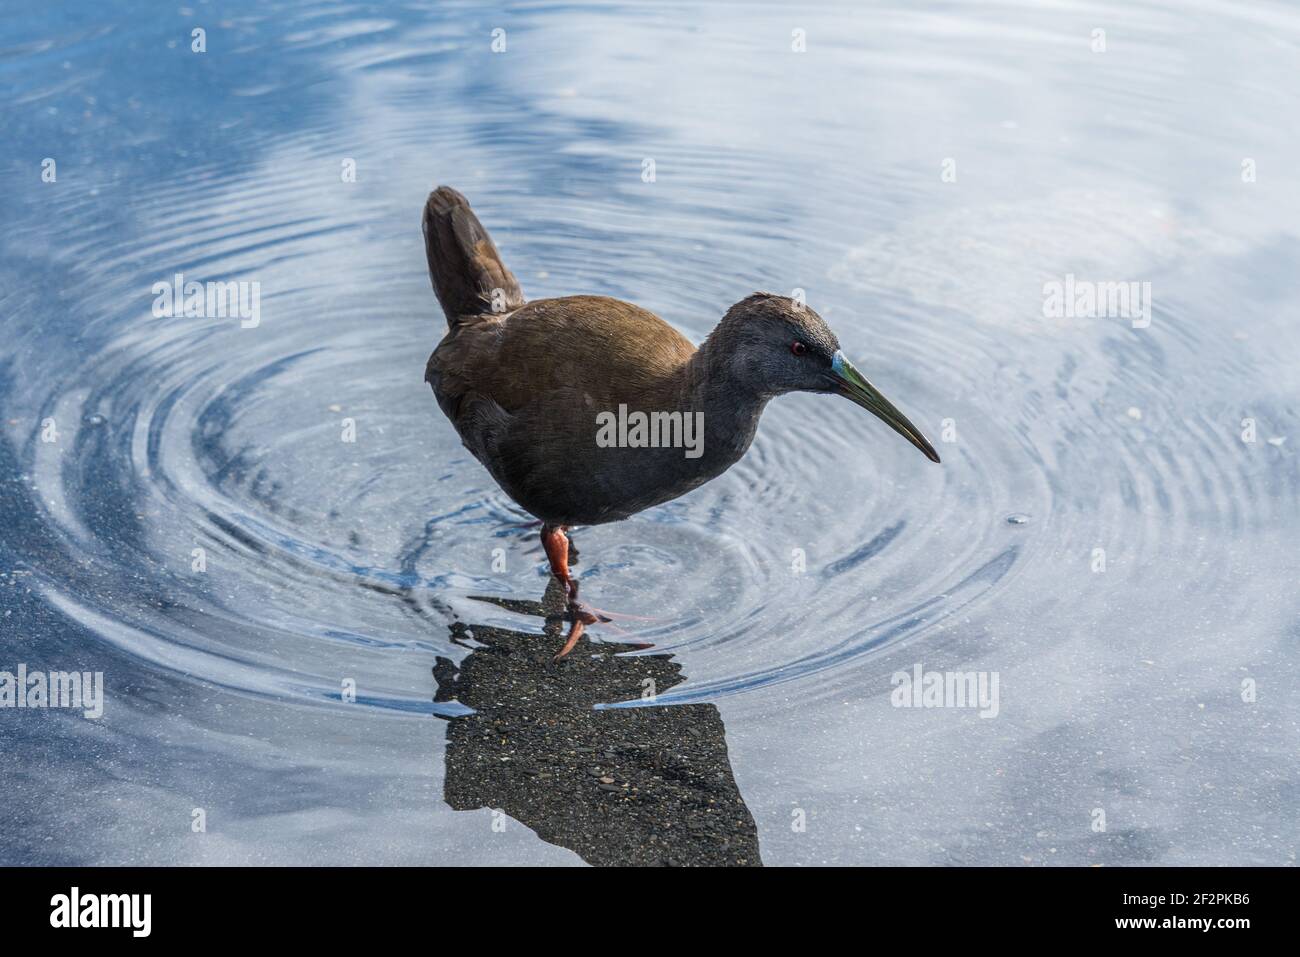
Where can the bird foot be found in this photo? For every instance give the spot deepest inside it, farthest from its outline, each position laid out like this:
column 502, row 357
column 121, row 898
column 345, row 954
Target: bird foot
column 577, row 611
column 579, row 616
column 559, row 552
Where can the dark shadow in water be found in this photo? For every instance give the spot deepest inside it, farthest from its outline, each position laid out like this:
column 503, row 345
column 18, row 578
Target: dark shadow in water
column 619, row 786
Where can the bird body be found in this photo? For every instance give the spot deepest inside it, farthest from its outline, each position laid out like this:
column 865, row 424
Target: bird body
column 527, row 385
column 526, row 396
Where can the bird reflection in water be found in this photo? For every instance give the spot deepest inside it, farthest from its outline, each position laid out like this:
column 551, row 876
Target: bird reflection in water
column 645, row 785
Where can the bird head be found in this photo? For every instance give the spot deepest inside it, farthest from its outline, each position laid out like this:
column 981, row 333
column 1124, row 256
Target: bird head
column 773, row 345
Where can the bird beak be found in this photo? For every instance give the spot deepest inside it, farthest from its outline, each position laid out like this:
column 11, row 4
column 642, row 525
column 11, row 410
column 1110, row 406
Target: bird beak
column 853, row 385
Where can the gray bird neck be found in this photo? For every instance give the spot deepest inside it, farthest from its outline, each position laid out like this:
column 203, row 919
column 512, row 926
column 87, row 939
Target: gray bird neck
column 731, row 407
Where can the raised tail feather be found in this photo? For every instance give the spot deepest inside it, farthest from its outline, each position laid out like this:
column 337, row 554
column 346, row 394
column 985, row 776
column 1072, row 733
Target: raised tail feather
column 464, row 265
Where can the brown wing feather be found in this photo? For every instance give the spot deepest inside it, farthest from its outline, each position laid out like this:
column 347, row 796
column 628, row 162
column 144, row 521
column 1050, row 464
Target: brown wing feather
column 467, row 272
column 608, row 349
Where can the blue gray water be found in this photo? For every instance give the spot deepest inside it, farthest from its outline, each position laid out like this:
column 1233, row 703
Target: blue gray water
column 1112, row 533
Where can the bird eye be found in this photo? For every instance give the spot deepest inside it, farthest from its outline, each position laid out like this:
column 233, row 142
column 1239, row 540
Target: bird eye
column 798, row 348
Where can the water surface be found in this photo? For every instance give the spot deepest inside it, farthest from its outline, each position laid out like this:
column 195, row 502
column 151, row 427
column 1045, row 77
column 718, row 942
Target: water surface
column 1100, row 534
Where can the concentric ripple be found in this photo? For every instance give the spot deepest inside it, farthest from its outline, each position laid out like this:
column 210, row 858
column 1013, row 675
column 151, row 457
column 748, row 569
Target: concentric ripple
column 270, row 508
column 278, row 510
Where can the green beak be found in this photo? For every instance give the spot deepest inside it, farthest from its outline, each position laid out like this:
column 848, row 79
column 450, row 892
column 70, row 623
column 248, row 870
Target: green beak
column 854, row 386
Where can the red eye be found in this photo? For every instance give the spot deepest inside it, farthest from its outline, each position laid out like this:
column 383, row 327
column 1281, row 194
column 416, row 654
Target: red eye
column 798, row 348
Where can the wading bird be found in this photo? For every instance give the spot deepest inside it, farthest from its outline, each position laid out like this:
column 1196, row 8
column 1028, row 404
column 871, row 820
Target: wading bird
column 529, row 387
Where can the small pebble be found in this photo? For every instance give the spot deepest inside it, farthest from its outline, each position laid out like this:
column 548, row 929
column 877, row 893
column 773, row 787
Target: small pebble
column 1135, row 413
column 1019, row 518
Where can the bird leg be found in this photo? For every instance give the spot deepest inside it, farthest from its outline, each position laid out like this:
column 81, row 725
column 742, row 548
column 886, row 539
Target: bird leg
column 556, row 544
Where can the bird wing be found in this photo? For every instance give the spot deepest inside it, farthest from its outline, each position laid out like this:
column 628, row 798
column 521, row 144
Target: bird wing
column 605, row 350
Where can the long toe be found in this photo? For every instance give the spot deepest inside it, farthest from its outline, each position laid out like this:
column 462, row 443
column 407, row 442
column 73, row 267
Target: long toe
column 607, row 616
column 575, row 632
column 578, row 612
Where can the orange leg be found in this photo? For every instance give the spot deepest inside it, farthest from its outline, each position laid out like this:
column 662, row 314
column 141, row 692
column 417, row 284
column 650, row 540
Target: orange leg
column 556, row 544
